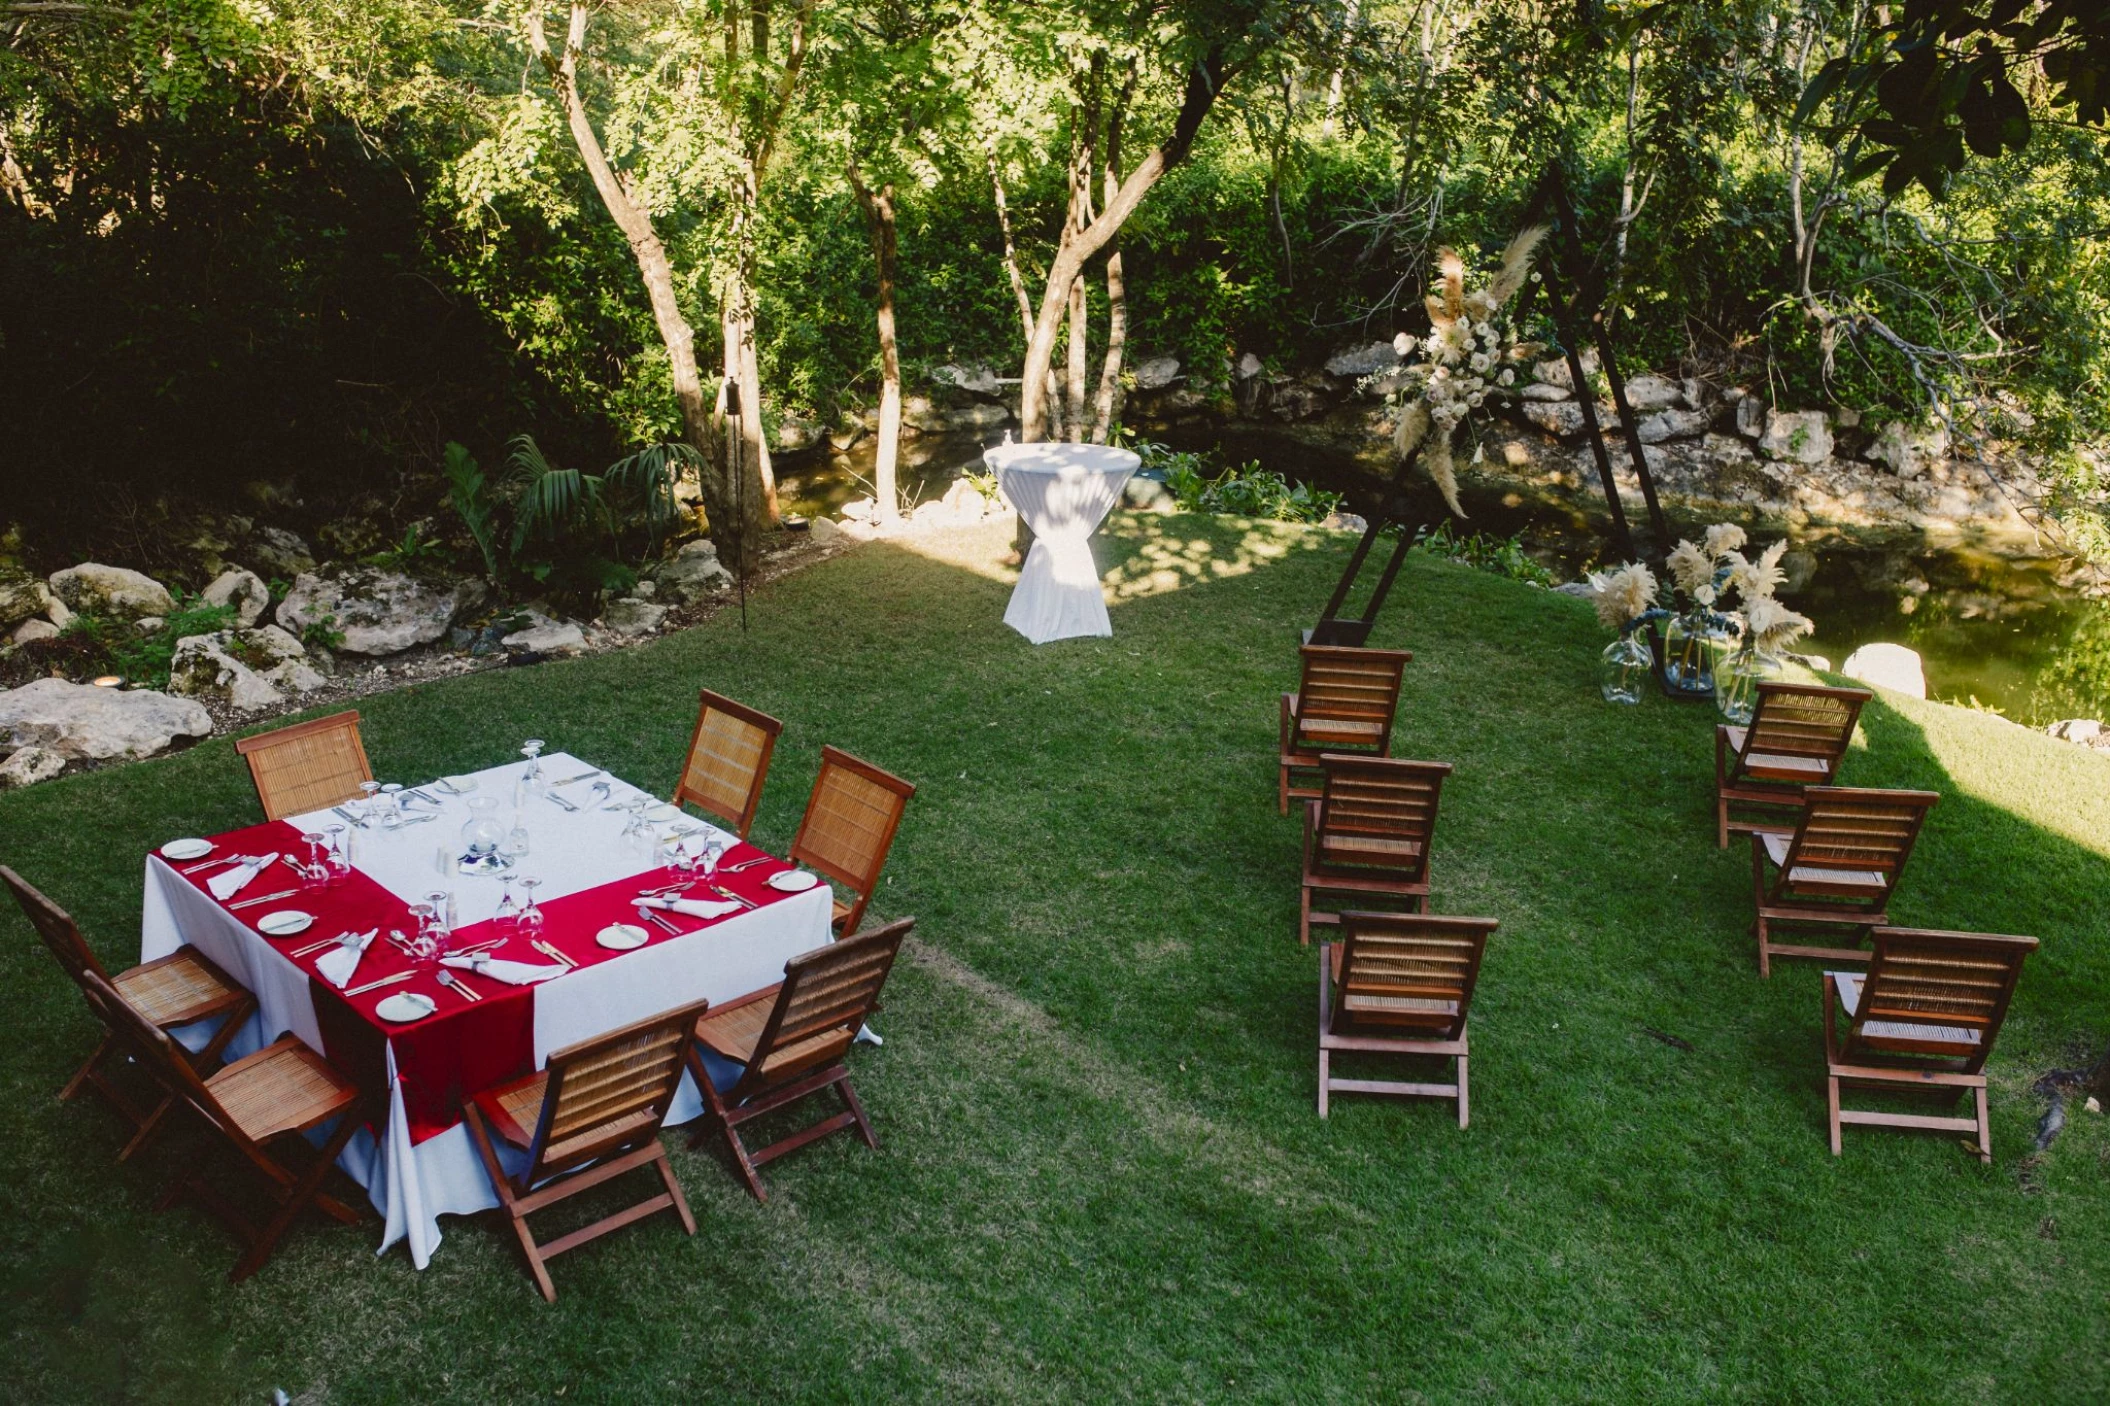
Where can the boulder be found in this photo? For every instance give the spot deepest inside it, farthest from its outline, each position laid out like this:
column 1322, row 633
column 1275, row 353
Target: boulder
column 1648, row 393
column 1249, row 366
column 82, row 722
column 1157, row 373
column 979, row 417
column 630, row 616
column 245, row 669
column 794, row 434
column 29, row 765
column 919, row 413
column 1554, row 370
column 281, row 553
column 856, row 510
column 975, row 380
column 1750, row 415
column 1148, row 495
column 964, row 501
column 543, row 635
column 21, row 596
column 58, row 614
column 34, row 631
column 1561, row 417
column 1890, row 666
column 1297, row 401
column 376, row 610
column 1541, row 390
column 1672, row 424
column 695, row 573
column 245, row 591
column 1909, row 450
column 645, row 590
column 823, row 531
column 1798, row 436
column 150, row 624
column 1364, row 360
column 1338, row 521
column 119, row 592
column 2088, row 732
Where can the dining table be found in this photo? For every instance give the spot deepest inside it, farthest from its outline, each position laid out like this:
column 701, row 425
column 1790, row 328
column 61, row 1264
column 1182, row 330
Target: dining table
column 584, row 975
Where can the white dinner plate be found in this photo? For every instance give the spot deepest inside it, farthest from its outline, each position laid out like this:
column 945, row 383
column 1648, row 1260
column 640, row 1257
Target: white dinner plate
column 791, row 881
column 186, row 849
column 285, row 922
column 406, row 1005
column 660, row 814
column 459, row 785
column 621, row 937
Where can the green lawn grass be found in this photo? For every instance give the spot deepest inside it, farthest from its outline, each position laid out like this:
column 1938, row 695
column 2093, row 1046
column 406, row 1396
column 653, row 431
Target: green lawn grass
column 1101, row 1174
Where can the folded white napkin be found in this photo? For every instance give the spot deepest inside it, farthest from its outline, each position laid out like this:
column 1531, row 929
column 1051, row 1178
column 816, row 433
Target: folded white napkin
column 227, row 884
column 337, row 965
column 694, row 907
column 499, row 969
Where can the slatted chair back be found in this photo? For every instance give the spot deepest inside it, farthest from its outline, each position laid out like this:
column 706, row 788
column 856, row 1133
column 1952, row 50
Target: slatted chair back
column 1799, row 733
column 307, row 767
column 1408, row 974
column 849, row 826
column 1376, row 818
column 728, row 760
column 827, row 996
column 58, row 930
column 1936, row 993
column 1851, row 846
column 1347, row 699
column 609, row 1095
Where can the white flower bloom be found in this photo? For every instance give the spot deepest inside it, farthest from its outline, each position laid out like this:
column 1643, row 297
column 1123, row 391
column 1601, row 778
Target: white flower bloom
column 1404, row 345
column 1507, row 377
column 1480, row 361
column 1475, row 398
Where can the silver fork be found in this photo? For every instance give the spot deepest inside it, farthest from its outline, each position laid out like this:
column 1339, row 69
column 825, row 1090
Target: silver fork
column 228, row 859
column 459, row 987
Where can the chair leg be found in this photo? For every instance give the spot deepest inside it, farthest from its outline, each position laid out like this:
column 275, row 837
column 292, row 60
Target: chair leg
column 503, row 1185
column 1325, row 1072
column 1985, row 1129
column 147, row 1125
column 298, row 1196
column 681, row 1202
column 1765, row 952
column 1304, row 915
column 87, row 1071
column 1758, row 903
column 1463, row 1109
column 857, row 1111
column 1831, row 1094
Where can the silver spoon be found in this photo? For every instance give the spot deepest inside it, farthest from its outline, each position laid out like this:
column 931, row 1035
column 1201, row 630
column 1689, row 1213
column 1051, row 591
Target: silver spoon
column 603, row 790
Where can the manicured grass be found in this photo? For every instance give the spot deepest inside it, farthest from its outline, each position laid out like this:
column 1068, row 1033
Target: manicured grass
column 1101, row 1174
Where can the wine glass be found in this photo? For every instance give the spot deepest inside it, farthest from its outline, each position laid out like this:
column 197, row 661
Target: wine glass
column 392, row 805
column 439, row 900
column 424, row 938
column 368, row 791
column 713, row 850
column 340, row 855
column 507, row 918
column 530, row 912
column 532, row 750
column 316, row 872
column 674, row 857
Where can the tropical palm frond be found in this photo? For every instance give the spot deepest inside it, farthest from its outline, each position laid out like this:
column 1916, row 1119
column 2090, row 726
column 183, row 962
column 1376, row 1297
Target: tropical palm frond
column 651, row 475
column 552, row 501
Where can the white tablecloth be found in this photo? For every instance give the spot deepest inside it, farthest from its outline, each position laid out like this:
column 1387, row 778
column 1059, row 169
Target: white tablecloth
column 1063, row 491
column 413, row 1185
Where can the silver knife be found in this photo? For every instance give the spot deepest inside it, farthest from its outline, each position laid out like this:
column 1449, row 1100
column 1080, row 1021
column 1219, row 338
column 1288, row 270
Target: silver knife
column 582, row 776
column 562, row 802
column 341, row 811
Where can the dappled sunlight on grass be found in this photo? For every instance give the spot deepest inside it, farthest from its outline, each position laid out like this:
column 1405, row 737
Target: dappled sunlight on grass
column 1149, row 556
column 2053, row 786
column 981, row 549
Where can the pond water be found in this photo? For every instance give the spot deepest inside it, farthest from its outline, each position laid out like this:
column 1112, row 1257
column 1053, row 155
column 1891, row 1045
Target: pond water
column 1996, row 629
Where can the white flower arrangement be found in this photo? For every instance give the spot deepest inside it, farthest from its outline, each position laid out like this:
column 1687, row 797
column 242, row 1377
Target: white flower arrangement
column 1467, row 359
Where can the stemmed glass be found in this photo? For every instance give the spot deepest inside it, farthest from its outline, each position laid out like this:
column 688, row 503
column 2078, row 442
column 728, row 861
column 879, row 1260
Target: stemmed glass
column 530, row 913
column 368, row 790
column 424, row 939
column 316, row 872
column 532, row 750
column 442, row 931
column 340, row 855
column 507, row 918
column 708, row 859
column 392, row 806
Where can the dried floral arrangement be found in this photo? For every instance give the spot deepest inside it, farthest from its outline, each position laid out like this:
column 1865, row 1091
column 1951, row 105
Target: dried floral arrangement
column 1468, row 359
column 1710, row 573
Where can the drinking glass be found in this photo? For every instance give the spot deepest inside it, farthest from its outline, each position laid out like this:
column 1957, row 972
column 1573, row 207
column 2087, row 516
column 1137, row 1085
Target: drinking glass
column 532, row 750
column 340, row 857
column 316, row 872
column 530, row 913
column 438, row 901
column 708, row 858
column 674, row 857
column 424, row 939
column 391, row 805
column 507, row 918
column 637, row 838
column 368, row 790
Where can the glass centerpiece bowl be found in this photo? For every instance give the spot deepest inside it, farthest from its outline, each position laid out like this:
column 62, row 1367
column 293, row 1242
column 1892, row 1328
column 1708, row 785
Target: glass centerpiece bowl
column 481, row 836
column 1736, row 681
column 1624, row 670
column 1692, row 644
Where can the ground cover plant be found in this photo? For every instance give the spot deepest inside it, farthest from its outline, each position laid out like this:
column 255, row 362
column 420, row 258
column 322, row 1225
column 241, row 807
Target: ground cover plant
column 1100, row 1173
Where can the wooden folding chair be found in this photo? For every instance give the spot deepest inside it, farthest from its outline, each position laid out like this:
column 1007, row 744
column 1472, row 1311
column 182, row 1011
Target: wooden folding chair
column 1838, row 868
column 789, row 1040
column 1368, row 833
column 1399, row 984
column 1344, row 703
column 849, row 827
column 1923, row 1018
column 308, row 766
column 728, row 759
column 168, row 992
column 261, row 1105
column 1797, row 738
column 591, row 1114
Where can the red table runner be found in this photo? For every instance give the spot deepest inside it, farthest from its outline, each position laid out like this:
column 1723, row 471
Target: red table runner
column 464, row 1046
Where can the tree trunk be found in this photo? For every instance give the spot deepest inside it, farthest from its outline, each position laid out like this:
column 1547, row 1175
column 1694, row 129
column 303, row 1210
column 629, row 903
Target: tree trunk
column 1203, row 84
column 1080, row 353
column 1106, row 409
column 879, row 216
column 645, row 246
column 1018, row 278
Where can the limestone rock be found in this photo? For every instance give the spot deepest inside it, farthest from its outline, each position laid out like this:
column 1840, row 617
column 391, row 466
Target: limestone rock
column 1672, row 424
column 21, row 596
column 1541, row 390
column 1890, row 666
column 29, row 765
column 543, row 635
column 1561, row 417
column 977, row 418
column 1798, row 436
column 1750, row 416
column 629, row 616
column 794, row 434
column 246, row 669
column 975, row 380
column 116, row 591
column 965, row 501
column 377, row 611
column 1648, row 393
column 695, row 573
column 57, row 613
column 2088, row 732
column 34, row 631
column 1338, row 521
column 82, row 722
column 856, row 510
column 823, row 531
column 282, row 553
column 1364, row 360
column 1554, row 370
column 245, row 591
column 1908, row 449
column 1248, row 367
column 1157, row 373
column 1297, row 401
column 645, row 590
column 149, row 624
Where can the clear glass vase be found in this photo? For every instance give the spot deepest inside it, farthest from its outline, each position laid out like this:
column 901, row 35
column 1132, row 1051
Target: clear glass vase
column 1624, row 670
column 482, row 835
column 1736, row 681
column 1692, row 644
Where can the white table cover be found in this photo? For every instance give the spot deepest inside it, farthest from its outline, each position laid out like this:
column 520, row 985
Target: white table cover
column 413, row 1185
column 1063, row 491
